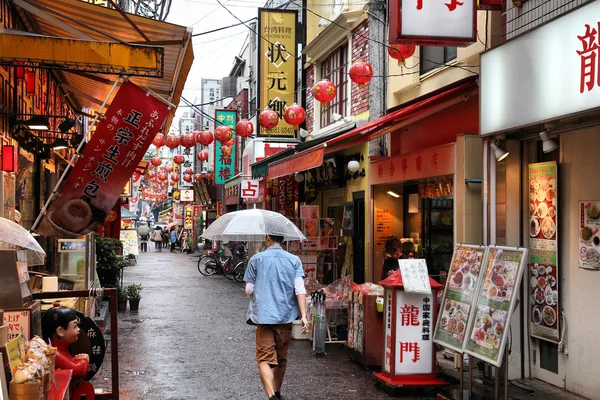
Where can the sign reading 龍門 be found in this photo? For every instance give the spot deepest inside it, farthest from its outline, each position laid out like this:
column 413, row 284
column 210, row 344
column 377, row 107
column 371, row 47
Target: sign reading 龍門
column 224, row 165
column 277, row 66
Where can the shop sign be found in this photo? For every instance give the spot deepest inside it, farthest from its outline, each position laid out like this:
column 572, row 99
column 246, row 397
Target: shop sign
column 433, row 23
column 18, row 322
column 71, row 246
column 225, row 165
column 109, row 160
column 589, row 235
column 129, row 238
column 425, row 164
column 187, row 195
column 384, row 226
column 515, row 97
column 250, row 189
column 178, row 212
column 387, row 351
column 457, row 312
column 285, row 195
column 543, row 248
column 277, row 48
column 495, row 302
column 232, row 194
column 189, row 161
column 219, row 208
column 188, row 222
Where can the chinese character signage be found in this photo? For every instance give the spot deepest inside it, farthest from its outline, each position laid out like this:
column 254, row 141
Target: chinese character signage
column 17, row 321
column 109, row 160
column 284, row 195
column 543, row 251
column 189, row 161
column 433, row 22
column 277, row 66
column 250, row 189
column 188, row 222
column 225, row 164
column 414, row 276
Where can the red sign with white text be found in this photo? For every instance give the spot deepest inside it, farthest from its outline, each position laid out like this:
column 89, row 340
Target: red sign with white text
column 108, row 162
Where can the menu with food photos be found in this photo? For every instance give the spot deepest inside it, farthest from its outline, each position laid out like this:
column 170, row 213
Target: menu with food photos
column 456, row 312
column 589, row 235
column 543, row 251
column 487, row 331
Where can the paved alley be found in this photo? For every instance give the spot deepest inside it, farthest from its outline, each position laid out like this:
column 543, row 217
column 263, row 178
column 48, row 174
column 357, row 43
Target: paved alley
column 190, row 341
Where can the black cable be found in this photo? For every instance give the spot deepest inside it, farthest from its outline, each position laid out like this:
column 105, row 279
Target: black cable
column 225, row 27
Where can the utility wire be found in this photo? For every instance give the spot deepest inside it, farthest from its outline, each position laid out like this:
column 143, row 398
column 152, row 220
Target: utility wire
column 225, row 27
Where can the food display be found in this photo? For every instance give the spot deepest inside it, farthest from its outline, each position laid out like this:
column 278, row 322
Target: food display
column 464, row 278
column 543, row 245
column 32, row 365
column 486, row 335
column 589, row 234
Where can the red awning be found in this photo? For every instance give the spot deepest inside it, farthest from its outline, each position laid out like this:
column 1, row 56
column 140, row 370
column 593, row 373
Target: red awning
column 298, row 162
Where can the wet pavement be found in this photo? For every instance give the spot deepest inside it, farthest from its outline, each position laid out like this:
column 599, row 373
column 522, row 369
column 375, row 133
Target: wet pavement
column 189, row 340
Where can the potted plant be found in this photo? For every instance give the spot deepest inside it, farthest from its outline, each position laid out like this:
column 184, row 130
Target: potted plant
column 189, row 244
column 109, row 263
column 122, row 298
column 134, row 295
column 131, row 260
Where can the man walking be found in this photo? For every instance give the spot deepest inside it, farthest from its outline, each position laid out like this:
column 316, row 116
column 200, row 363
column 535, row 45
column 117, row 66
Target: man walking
column 274, row 280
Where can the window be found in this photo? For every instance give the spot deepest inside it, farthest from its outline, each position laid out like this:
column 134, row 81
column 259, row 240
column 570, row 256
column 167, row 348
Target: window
column 335, row 69
column 433, row 57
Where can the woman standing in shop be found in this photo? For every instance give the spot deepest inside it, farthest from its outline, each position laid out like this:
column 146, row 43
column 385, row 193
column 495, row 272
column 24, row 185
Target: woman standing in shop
column 393, row 250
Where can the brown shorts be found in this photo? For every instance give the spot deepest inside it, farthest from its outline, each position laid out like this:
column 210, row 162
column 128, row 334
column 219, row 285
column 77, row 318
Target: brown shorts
column 272, row 342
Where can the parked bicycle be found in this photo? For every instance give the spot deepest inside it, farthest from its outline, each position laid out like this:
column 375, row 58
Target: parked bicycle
column 240, row 268
column 219, row 261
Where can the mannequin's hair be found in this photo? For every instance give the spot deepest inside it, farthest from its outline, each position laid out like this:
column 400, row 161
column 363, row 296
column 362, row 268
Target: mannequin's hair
column 54, row 318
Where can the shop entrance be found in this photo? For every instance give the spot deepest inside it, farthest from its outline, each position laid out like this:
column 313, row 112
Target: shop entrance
column 358, row 198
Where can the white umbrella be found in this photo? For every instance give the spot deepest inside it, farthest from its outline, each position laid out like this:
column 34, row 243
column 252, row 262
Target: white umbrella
column 252, row 225
column 13, row 235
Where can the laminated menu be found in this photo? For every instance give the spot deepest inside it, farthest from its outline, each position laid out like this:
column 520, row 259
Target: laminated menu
column 589, row 235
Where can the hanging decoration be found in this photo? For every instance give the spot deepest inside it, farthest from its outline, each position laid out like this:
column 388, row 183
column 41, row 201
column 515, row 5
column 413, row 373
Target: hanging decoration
column 268, row 119
column 202, row 156
column 162, row 177
column 209, row 176
column 187, row 178
column 169, row 168
column 198, row 177
column 223, row 134
column 174, row 177
column 178, row 159
column 324, row 91
column 244, row 128
column 294, row 115
column 401, row 51
column 156, row 161
column 230, row 142
column 189, row 171
column 159, row 140
column 196, row 133
column 361, row 73
column 172, row 141
column 151, row 175
column 188, row 140
column 204, row 138
column 226, row 151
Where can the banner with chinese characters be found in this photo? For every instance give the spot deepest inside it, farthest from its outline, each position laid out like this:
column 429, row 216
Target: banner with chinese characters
column 189, row 161
column 225, row 164
column 543, row 251
column 433, row 23
column 188, row 220
column 284, row 195
column 495, row 302
column 277, row 66
column 250, row 189
column 109, row 160
column 456, row 312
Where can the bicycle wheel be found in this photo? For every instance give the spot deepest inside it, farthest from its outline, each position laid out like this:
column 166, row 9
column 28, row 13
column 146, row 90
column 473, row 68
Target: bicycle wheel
column 207, row 265
column 228, row 268
column 239, row 271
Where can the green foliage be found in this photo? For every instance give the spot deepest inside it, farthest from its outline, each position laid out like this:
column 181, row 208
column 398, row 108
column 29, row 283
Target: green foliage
column 133, row 291
column 109, row 262
column 122, row 293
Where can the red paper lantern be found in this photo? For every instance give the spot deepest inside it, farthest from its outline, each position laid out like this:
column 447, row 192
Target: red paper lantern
column 361, row 73
column 159, row 140
column 324, row 91
column 151, row 174
column 187, row 178
column 174, row 177
column 230, row 143
column 401, row 51
column 223, row 134
column 294, row 115
column 202, row 156
column 188, row 140
column 111, row 216
column 189, row 171
column 208, row 177
column 244, row 128
column 268, row 119
column 226, row 151
column 172, row 141
column 169, row 168
column 198, row 177
column 156, row 161
column 162, row 177
column 204, row 138
column 178, row 159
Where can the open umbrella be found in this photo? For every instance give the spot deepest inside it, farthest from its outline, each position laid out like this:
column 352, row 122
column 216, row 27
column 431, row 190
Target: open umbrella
column 252, row 225
column 15, row 236
column 169, row 226
column 126, row 214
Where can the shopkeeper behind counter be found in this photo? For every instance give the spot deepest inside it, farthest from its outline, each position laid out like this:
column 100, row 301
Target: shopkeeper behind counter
column 393, row 250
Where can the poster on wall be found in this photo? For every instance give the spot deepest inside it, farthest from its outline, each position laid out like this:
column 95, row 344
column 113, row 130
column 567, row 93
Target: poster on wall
column 543, row 251
column 456, row 312
column 384, row 226
column 488, row 330
column 129, row 237
column 589, row 235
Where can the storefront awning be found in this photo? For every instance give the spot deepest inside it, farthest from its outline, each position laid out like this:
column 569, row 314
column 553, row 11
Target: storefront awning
column 260, row 169
column 299, row 162
column 81, row 20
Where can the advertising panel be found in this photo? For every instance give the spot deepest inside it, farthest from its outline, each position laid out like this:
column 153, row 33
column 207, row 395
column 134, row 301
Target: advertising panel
column 225, row 165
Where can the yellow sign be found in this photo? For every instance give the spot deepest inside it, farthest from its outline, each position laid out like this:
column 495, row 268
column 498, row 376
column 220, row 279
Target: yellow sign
column 188, row 222
column 277, row 66
column 16, row 352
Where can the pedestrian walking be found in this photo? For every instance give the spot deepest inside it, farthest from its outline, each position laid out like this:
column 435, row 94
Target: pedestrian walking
column 173, row 237
column 157, row 238
column 274, row 281
column 165, row 239
column 144, row 234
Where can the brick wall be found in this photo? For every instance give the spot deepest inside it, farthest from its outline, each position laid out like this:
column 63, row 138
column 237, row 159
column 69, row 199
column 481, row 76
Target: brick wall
column 360, row 51
column 310, row 113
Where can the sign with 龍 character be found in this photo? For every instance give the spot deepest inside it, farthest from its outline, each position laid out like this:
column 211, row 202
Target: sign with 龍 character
column 225, row 164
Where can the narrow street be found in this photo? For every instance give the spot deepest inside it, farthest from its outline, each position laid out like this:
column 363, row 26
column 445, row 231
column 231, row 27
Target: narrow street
column 190, row 341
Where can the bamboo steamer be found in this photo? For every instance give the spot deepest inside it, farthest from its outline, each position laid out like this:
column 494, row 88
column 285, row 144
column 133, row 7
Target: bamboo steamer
column 46, row 384
column 26, row 391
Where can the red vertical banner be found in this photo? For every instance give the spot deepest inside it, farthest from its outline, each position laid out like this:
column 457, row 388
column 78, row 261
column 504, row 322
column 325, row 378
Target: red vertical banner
column 284, row 195
column 109, row 160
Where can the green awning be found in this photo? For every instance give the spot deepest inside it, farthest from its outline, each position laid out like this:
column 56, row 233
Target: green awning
column 260, row 169
column 126, row 214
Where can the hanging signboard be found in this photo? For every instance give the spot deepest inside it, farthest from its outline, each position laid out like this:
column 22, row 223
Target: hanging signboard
column 488, row 330
column 543, row 249
column 589, row 235
column 225, row 165
column 433, row 23
column 109, row 160
column 188, row 222
column 189, row 161
column 456, row 312
column 277, row 48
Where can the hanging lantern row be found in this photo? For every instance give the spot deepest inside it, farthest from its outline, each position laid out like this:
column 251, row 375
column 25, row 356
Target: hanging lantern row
column 188, row 140
column 204, row 138
column 198, row 177
column 159, row 140
column 189, row 171
column 202, row 156
column 174, row 177
column 162, row 176
column 268, row 119
column 187, row 178
column 244, row 128
column 361, row 73
column 226, row 150
column 324, row 91
column 178, row 159
column 169, row 168
column 156, row 161
column 401, row 51
column 172, row 141
column 223, row 134
column 294, row 115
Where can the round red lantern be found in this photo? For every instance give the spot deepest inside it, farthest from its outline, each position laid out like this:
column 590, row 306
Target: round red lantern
column 172, row 141
column 202, row 156
column 324, row 91
column 226, row 151
column 208, row 177
column 187, row 178
column 112, row 215
column 174, row 177
column 189, row 171
column 268, row 119
column 204, row 138
column 151, row 174
column 361, row 73
column 401, row 51
column 162, row 177
column 159, row 140
column 244, row 128
column 178, row 159
column 230, row 142
column 294, row 115
column 169, row 168
column 223, row 134
column 198, row 177
column 156, row 161
column 188, row 140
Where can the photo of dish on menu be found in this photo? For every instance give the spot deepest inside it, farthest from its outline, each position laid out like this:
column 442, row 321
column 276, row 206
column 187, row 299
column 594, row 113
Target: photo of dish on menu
column 464, row 278
column 486, row 336
column 589, row 235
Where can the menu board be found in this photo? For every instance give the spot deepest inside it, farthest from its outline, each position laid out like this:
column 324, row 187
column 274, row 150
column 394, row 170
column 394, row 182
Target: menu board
column 589, row 235
column 415, row 277
column 464, row 278
column 543, row 248
column 487, row 332
column 129, row 238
